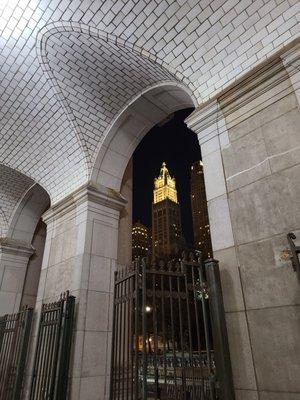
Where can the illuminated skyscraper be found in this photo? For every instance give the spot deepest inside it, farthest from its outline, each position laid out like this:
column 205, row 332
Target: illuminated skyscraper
column 166, row 222
column 140, row 240
column 202, row 239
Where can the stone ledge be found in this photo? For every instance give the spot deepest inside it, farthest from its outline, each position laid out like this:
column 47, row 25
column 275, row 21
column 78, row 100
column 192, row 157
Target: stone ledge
column 292, row 56
column 256, row 85
column 15, row 247
column 92, row 192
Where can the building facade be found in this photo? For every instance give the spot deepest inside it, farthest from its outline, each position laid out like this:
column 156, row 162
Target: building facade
column 167, row 237
column 81, row 84
column 141, row 241
column 202, row 240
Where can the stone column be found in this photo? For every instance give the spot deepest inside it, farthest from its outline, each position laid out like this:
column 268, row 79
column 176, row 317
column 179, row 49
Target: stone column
column 210, row 126
column 125, row 223
column 80, row 256
column 14, row 256
column 34, row 267
column 258, row 158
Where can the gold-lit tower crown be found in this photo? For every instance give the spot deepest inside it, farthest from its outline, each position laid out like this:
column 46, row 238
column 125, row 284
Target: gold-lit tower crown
column 164, row 186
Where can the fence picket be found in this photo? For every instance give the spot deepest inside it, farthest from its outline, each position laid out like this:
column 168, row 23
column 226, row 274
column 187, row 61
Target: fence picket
column 14, row 337
column 51, row 363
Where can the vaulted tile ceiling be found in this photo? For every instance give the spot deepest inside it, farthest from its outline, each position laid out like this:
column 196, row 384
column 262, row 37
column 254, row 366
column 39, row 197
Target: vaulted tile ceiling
column 68, row 68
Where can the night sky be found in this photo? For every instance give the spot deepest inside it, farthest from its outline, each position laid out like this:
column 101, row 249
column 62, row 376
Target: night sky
column 178, row 146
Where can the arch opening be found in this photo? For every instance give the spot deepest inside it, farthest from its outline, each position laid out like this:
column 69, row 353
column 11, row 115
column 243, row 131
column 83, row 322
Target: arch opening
column 133, row 123
column 160, row 245
column 113, row 167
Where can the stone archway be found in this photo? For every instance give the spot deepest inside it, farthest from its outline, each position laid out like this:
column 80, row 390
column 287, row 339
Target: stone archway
column 28, row 213
column 148, row 109
column 23, row 203
column 113, row 165
column 27, row 226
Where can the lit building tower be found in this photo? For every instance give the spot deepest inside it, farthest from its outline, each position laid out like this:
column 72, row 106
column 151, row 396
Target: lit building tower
column 202, row 239
column 166, row 222
column 140, row 240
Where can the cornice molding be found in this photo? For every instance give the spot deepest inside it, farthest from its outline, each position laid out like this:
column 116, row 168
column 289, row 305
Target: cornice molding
column 254, row 85
column 16, row 247
column 90, row 192
column 201, row 119
column 292, row 56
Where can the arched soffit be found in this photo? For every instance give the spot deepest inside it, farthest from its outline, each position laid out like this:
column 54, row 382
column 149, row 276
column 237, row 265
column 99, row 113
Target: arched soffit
column 96, row 75
column 27, row 213
column 133, row 123
column 14, row 188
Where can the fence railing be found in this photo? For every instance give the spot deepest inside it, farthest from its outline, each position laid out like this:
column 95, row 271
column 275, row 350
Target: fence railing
column 14, row 337
column 169, row 333
column 51, row 363
column 52, row 353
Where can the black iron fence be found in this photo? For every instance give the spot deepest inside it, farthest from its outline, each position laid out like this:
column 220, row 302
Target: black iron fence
column 51, row 363
column 14, row 336
column 163, row 333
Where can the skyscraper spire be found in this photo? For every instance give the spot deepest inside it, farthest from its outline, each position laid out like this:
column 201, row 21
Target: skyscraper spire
column 164, row 186
column 167, row 236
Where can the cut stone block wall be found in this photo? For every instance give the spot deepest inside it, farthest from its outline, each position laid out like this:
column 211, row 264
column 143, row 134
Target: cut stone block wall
column 250, row 143
column 262, row 168
column 80, row 256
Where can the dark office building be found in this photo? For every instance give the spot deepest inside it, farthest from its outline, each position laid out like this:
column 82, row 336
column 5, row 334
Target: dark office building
column 201, row 229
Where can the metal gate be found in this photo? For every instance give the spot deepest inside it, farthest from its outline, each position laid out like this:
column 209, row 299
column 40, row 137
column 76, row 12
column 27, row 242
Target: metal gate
column 51, row 364
column 14, row 336
column 163, row 333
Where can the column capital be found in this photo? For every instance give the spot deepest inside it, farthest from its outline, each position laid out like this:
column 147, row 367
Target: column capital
column 204, row 116
column 207, row 121
column 209, row 124
column 10, row 246
column 291, row 61
column 90, row 192
column 292, row 56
